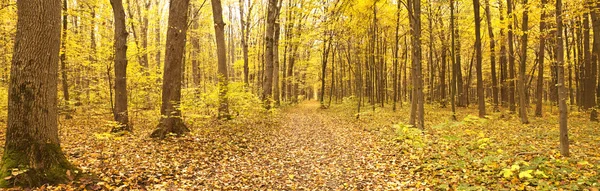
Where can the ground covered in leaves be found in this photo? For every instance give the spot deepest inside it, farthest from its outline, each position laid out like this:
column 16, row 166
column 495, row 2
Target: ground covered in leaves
column 303, row 147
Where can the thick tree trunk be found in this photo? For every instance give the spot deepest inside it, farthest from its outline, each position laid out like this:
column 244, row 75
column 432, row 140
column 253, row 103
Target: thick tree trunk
column 171, row 121
column 523, row 67
column 562, row 96
column 32, row 143
column 541, row 55
column 479, row 59
column 120, row 110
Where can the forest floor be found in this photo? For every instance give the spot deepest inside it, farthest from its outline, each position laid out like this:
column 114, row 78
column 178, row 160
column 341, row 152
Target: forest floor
column 303, row 147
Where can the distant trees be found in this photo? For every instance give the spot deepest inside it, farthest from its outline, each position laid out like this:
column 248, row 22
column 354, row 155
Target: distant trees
column 32, row 139
column 171, row 121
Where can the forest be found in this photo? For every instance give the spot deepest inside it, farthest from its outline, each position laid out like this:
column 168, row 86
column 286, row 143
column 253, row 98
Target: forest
column 300, row 94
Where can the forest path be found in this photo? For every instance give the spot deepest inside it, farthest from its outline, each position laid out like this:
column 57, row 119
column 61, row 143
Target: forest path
column 326, row 149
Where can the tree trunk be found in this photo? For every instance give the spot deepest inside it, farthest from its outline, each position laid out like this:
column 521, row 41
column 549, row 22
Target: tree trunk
column 32, row 142
column 511, row 58
column 562, row 100
column 495, row 92
column 244, row 39
column 480, row 94
column 120, row 110
column 454, row 68
column 157, row 32
column 417, row 117
column 596, row 50
column 523, row 67
column 222, row 59
column 396, row 50
column 541, row 51
column 503, row 61
column 589, row 69
column 171, row 121
column 267, row 93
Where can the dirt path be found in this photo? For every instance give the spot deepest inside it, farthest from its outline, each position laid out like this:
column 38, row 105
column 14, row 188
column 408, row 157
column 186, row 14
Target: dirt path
column 313, row 149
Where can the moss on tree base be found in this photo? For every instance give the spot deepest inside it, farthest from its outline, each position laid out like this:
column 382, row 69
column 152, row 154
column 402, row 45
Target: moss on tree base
column 35, row 165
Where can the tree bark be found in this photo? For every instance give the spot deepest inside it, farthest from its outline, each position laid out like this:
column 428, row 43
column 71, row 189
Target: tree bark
column 120, row 45
column 32, row 142
column 171, row 121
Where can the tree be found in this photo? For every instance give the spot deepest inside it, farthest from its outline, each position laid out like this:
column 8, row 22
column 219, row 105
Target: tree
column 245, row 31
column 417, row 109
column 562, row 94
column 267, row 93
column 523, row 67
column 511, row 58
column 120, row 111
column 32, row 140
column 171, row 121
column 541, row 51
column 596, row 51
column 492, row 54
column 480, row 94
column 222, row 58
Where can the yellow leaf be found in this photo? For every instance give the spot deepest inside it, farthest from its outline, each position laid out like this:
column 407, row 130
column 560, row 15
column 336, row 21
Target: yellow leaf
column 506, row 173
column 540, row 173
column 526, row 174
column 515, row 167
column 291, row 176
